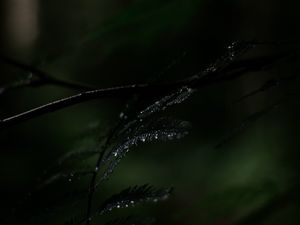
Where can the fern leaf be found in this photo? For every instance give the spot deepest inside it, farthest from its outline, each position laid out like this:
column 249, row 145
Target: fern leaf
column 161, row 130
column 130, row 197
column 175, row 98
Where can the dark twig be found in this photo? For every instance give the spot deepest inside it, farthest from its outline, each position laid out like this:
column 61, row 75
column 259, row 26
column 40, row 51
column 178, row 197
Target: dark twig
column 83, row 97
column 38, row 77
column 218, row 72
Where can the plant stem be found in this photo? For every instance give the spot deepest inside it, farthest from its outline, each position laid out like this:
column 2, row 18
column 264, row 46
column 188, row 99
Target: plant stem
column 229, row 71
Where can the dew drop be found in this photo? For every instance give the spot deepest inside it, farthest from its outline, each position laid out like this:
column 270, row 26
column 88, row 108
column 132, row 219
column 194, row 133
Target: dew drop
column 121, row 115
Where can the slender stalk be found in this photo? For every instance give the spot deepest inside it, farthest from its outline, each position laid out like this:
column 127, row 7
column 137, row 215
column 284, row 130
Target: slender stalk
column 40, row 77
column 92, row 186
column 79, row 98
column 223, row 72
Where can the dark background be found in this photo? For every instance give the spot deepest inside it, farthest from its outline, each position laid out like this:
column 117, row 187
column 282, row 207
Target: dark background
column 113, row 42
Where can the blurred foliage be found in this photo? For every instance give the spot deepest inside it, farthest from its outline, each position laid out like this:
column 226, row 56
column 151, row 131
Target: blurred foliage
column 249, row 180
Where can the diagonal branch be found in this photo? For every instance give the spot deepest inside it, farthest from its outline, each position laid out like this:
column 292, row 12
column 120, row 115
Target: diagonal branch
column 38, row 77
column 122, row 91
column 214, row 74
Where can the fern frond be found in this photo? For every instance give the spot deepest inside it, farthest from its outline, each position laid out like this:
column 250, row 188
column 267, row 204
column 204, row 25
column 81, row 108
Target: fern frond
column 130, row 197
column 175, row 98
column 163, row 129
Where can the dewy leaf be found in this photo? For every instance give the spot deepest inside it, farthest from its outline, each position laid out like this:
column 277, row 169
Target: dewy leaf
column 234, row 51
column 163, row 129
column 175, row 98
column 132, row 221
column 130, row 197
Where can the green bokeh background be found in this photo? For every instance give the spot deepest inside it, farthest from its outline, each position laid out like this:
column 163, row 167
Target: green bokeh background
column 115, row 42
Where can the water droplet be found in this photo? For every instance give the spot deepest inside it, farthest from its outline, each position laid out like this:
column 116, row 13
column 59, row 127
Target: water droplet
column 121, row 115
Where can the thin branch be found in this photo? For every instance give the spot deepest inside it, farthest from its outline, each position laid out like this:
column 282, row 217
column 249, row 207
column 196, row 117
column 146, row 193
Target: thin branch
column 214, row 74
column 38, row 77
column 79, row 98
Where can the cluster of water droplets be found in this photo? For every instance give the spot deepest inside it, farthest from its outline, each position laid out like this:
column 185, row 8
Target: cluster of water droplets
column 164, row 129
column 175, row 98
column 122, row 115
column 232, row 50
column 140, row 131
column 132, row 196
column 235, row 49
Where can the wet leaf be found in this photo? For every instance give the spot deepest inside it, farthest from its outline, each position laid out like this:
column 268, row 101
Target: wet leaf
column 163, row 129
column 175, row 98
column 130, row 197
